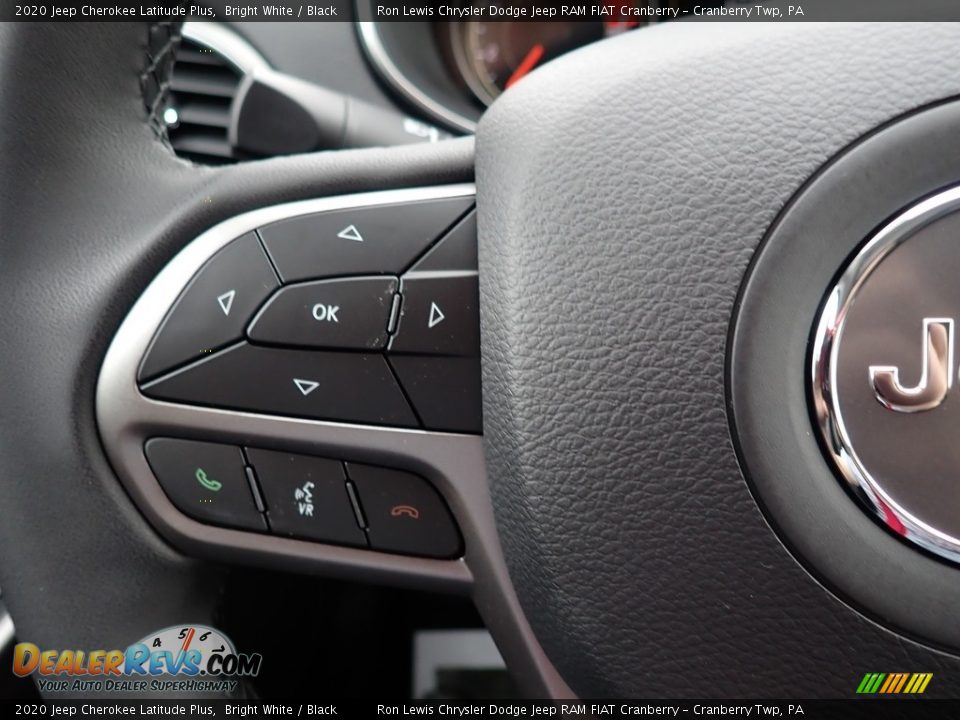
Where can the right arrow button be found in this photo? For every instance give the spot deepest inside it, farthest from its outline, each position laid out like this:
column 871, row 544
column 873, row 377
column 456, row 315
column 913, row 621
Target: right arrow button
column 435, row 351
column 436, row 316
column 439, row 315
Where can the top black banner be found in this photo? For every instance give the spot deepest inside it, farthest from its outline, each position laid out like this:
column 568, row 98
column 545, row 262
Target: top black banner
column 492, row 709
column 489, row 10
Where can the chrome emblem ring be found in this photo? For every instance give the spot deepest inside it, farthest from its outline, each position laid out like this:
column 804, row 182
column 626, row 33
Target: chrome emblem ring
column 883, row 366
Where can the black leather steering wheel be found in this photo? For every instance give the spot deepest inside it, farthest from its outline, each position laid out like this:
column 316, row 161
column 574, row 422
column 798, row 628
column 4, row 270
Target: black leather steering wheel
column 620, row 534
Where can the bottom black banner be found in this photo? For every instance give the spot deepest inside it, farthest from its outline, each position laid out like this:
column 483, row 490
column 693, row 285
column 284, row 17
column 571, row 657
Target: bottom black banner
column 812, row 709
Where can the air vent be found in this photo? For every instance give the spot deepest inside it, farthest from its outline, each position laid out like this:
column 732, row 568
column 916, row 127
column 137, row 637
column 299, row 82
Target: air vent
column 202, row 89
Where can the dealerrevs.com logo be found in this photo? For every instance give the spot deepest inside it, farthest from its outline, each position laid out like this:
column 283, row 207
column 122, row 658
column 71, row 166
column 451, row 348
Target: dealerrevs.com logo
column 183, row 658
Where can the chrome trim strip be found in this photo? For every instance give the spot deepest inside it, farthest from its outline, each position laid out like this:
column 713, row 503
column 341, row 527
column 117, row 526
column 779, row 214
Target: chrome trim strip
column 823, row 373
column 372, row 44
column 458, row 41
column 7, row 631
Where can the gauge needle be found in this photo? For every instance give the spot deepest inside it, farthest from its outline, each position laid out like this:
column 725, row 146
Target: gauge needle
column 528, row 63
column 186, row 641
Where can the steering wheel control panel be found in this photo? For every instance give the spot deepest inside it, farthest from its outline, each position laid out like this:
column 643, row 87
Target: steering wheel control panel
column 362, row 315
column 299, row 388
column 304, row 497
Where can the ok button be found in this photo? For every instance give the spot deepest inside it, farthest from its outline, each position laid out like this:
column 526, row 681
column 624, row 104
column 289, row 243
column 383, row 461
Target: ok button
column 323, row 312
column 345, row 314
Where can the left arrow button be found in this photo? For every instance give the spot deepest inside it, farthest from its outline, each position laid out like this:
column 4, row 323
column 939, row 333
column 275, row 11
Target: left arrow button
column 226, row 301
column 215, row 307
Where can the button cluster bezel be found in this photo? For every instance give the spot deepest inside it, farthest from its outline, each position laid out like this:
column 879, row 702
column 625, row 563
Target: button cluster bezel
column 261, row 482
column 231, row 376
column 453, row 463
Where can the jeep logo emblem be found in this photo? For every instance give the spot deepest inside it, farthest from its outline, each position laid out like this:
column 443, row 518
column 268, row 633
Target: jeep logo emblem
column 881, row 399
column 936, row 375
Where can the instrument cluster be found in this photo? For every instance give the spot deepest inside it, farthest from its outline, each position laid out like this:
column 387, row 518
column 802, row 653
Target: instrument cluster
column 451, row 70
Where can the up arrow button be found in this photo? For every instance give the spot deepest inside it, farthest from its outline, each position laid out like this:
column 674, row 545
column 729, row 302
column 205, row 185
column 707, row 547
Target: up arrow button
column 371, row 240
column 350, row 232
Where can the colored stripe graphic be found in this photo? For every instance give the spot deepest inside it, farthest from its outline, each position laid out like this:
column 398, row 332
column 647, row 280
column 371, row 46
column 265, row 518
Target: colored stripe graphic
column 894, row 683
column 903, row 680
column 866, row 684
column 922, row 681
column 913, row 681
column 891, row 680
